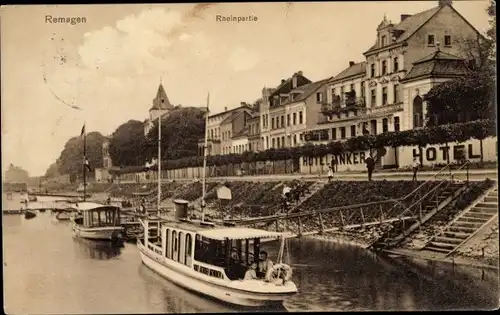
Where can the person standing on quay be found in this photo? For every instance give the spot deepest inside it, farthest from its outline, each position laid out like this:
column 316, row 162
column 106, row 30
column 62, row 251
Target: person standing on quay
column 414, row 167
column 330, row 174
column 370, row 165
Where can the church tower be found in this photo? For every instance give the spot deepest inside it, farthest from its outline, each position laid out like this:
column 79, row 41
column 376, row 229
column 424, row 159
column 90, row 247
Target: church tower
column 161, row 106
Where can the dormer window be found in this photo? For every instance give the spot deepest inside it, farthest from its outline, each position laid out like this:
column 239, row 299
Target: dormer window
column 430, row 40
column 383, row 41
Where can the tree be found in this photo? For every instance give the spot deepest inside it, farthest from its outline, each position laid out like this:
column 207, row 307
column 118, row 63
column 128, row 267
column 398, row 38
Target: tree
column 52, row 171
column 181, row 130
column 128, row 146
column 71, row 159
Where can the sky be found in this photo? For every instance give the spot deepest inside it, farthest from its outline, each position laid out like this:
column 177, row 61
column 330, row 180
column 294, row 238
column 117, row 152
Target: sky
column 111, row 65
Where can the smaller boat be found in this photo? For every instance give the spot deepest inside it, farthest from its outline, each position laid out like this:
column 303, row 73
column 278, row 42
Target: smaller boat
column 63, row 215
column 97, row 221
column 29, row 214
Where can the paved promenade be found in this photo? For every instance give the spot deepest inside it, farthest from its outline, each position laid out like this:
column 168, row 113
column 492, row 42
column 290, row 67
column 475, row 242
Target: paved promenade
column 475, row 175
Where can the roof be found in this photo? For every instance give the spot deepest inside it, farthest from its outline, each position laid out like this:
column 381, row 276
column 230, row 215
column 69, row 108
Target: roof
column 87, row 206
column 306, row 90
column 14, row 187
column 242, row 133
column 410, row 25
column 237, row 233
column 230, row 118
column 354, row 70
column 437, row 64
column 230, row 111
column 288, row 82
column 161, row 100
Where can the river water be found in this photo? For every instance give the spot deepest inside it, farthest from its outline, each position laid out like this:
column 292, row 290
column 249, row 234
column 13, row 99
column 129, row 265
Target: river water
column 47, row 271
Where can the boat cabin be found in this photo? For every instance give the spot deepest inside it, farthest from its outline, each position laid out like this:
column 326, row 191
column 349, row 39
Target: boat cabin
column 220, row 252
column 97, row 215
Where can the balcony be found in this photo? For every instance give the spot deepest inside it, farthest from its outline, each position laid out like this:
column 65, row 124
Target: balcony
column 339, row 105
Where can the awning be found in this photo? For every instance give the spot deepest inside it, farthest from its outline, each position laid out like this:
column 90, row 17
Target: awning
column 86, row 206
column 237, row 233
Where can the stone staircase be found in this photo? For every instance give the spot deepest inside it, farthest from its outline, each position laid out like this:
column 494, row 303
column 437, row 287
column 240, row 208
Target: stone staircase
column 466, row 225
column 314, row 188
column 402, row 229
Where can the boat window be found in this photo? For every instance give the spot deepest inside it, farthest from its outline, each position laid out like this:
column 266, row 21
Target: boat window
column 174, row 239
column 180, row 257
column 188, row 249
column 95, row 218
column 167, row 245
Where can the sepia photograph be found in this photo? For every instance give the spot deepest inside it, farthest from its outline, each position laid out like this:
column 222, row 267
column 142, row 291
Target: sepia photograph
column 249, row 157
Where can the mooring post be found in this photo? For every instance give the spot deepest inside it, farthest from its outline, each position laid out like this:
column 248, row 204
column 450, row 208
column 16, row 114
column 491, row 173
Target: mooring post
column 321, row 227
column 300, row 227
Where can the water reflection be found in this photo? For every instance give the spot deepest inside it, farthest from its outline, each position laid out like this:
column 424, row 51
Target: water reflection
column 96, row 249
column 59, row 274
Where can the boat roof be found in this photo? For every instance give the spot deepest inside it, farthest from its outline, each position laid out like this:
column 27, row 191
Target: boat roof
column 87, row 206
column 237, row 233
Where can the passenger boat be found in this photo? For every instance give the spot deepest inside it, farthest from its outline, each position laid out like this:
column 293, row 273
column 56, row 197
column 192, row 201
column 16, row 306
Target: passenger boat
column 97, row 221
column 212, row 260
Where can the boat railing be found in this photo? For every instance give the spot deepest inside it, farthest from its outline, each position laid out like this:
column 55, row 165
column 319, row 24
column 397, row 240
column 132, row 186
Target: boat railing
column 155, row 248
column 209, row 270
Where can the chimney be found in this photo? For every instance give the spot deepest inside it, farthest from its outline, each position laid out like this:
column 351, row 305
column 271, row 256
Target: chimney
column 225, row 108
column 283, row 81
column 404, row 17
column 351, row 63
column 243, row 104
column 445, row 2
column 300, row 72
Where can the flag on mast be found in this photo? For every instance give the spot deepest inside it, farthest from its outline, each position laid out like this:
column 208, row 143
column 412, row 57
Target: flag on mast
column 83, row 131
column 87, row 164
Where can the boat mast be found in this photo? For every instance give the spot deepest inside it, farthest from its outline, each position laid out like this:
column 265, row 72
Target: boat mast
column 159, row 163
column 203, row 187
column 84, row 161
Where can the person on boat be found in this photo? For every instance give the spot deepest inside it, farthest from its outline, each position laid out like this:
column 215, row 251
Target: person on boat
column 264, row 264
column 251, row 273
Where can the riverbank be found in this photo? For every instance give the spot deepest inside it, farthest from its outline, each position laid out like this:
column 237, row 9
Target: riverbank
column 470, row 254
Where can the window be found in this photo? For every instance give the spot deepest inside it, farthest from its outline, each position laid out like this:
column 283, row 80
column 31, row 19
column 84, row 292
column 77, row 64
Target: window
column 383, row 41
column 417, row 112
column 384, row 67
column 374, row 97
column 174, row 245
column 179, row 257
column 288, row 119
column 282, row 121
column 362, row 89
column 353, row 131
column 352, row 87
column 319, row 97
column 273, row 142
column 396, row 124
column 294, row 118
column 167, row 238
column 272, row 123
column 334, row 133
column 342, row 132
column 294, row 139
column 341, row 92
column 430, row 40
column 283, row 142
column 396, row 93
column 278, row 144
column 384, row 96
column 372, row 70
column 447, row 40
column 396, row 64
column 385, row 125
column 300, row 118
